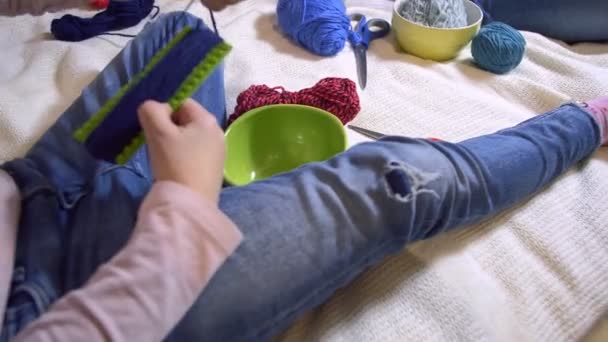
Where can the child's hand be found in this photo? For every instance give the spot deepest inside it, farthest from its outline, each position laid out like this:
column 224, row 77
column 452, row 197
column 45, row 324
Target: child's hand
column 218, row 5
column 186, row 147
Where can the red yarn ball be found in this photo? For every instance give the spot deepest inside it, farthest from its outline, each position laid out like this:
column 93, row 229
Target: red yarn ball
column 335, row 95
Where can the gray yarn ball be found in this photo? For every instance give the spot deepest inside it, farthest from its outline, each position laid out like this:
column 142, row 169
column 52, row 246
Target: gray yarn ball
column 435, row 13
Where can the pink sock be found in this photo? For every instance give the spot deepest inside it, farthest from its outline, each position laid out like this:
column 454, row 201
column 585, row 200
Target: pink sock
column 599, row 108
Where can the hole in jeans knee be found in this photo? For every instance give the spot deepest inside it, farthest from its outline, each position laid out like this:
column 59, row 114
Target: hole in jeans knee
column 398, row 182
column 405, row 182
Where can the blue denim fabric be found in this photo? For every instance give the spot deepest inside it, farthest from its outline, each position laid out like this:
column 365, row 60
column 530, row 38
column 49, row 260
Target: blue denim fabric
column 306, row 233
column 568, row 20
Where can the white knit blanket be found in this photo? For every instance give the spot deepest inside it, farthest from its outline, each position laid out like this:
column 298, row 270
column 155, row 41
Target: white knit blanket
column 535, row 273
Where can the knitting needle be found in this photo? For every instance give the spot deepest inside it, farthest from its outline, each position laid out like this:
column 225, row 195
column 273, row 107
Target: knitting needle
column 213, row 21
column 210, row 13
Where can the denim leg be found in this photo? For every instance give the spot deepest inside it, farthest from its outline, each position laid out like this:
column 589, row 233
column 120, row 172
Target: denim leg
column 76, row 212
column 568, row 20
column 311, row 231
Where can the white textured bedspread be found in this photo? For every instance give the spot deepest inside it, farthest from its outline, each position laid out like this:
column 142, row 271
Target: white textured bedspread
column 538, row 272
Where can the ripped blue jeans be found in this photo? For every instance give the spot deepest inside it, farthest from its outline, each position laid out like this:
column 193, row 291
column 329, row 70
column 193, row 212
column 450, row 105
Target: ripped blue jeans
column 307, row 232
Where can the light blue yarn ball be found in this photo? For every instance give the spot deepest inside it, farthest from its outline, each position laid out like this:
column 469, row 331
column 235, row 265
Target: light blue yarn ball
column 498, row 48
column 320, row 26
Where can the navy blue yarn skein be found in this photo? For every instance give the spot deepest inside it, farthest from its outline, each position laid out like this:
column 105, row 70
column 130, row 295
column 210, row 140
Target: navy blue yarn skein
column 118, row 15
column 320, row 26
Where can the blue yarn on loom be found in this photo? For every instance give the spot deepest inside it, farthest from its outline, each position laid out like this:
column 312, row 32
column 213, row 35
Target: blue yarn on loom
column 320, row 26
column 121, row 124
column 119, row 15
column 498, row 48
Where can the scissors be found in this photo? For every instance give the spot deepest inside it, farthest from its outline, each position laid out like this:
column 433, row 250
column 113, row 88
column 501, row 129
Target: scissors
column 361, row 36
column 376, row 135
column 366, row 132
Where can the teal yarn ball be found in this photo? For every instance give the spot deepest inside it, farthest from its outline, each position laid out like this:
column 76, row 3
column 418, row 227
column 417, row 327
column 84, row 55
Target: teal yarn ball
column 498, row 48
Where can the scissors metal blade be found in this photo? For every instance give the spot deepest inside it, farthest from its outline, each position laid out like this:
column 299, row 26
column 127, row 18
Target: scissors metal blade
column 361, row 61
column 366, row 132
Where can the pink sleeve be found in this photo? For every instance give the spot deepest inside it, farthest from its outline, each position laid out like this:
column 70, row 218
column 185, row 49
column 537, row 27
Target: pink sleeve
column 10, row 204
column 180, row 240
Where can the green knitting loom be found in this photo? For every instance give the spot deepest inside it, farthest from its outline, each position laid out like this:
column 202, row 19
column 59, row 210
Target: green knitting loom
column 172, row 75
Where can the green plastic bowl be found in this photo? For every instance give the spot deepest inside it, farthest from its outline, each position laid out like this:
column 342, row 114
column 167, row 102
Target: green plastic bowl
column 277, row 138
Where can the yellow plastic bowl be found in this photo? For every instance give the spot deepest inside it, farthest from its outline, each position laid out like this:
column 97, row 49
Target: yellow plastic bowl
column 438, row 44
